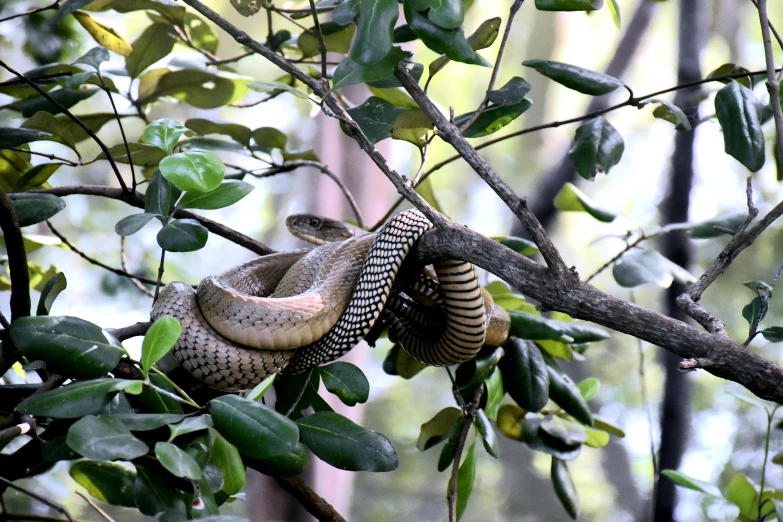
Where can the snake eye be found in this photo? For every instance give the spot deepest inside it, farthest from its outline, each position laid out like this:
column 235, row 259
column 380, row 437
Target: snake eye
column 315, row 222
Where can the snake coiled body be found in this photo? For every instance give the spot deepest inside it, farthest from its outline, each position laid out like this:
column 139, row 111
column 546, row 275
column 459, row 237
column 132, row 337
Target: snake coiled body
column 342, row 291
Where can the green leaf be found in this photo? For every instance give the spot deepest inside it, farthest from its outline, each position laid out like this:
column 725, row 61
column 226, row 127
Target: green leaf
column 465, row 478
column 390, row 81
column 104, row 35
column 437, row 429
column 671, row 113
column 105, row 481
column 484, row 427
column 227, row 193
column 254, row 429
column 150, row 400
column 739, row 115
column 159, row 339
column 649, row 266
column 705, row 229
column 492, row 119
column 472, row 373
column 608, row 427
column 340, row 443
column 237, row 132
column 571, row 199
column 720, row 510
column 411, row 126
column 70, row 346
column 519, row 245
column 539, row 440
column 597, row 148
column 160, row 196
column 569, row 5
column 227, row 458
column 53, row 287
column 261, row 388
column 104, row 438
column 374, row 36
column 564, row 487
column 197, row 87
column 129, row 225
column 274, row 88
column 194, row 170
column 347, row 382
column 596, row 438
column 576, row 78
column 164, row 134
column 565, row 394
column 681, row 479
column 67, row 8
column 448, row 14
column 346, row 12
column 529, row 326
column 65, row 97
column 13, row 136
column 752, row 311
column 306, row 155
column 154, row 494
column 147, row 421
column 482, row 38
column 176, row 461
column 190, row 425
column 525, row 374
column 375, row 117
column 58, row 131
column 155, row 43
column 34, row 208
column 565, row 431
column 728, row 69
column 511, row 93
column 142, row 154
column 741, row 492
column 773, row 334
column 77, row 399
column 287, row 465
column 399, row 362
column 449, row 450
column 450, row 42
column 589, row 387
column 614, row 10
column 394, row 96
column 350, row 72
column 36, row 176
column 509, row 421
column 495, row 393
column 200, row 33
column 182, row 235
column 337, row 39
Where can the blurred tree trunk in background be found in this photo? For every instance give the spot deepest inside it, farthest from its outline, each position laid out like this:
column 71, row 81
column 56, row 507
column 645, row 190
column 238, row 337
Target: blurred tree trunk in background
column 678, row 389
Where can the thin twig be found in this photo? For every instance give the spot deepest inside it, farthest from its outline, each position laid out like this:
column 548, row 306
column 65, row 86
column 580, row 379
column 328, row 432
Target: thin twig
column 772, row 27
column 42, row 500
column 161, row 268
column 773, row 85
column 289, row 166
column 628, row 246
column 124, row 264
column 76, row 120
column 122, row 131
column 55, row 5
column 45, row 155
column 95, row 262
column 469, row 415
column 319, row 34
column 95, row 506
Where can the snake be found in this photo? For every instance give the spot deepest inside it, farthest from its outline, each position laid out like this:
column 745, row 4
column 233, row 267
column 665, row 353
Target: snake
column 292, row 311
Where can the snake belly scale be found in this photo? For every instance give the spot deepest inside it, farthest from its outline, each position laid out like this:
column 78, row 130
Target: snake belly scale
column 224, row 359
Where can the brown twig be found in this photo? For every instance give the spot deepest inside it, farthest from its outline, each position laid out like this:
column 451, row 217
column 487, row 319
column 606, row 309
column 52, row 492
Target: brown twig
column 161, row 268
column 48, row 156
column 296, row 164
column 75, row 119
column 55, row 5
column 309, row 499
column 95, row 506
column 134, row 330
column 124, row 264
column 42, row 500
column 320, row 35
column 773, row 84
column 94, row 261
column 467, row 423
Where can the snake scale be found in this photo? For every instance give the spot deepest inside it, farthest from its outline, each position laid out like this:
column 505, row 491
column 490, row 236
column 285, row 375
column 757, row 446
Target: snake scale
column 292, row 311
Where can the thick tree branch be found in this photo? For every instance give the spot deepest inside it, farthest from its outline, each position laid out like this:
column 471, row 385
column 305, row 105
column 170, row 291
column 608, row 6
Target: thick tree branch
column 17, row 260
column 136, row 199
column 309, row 499
column 717, row 354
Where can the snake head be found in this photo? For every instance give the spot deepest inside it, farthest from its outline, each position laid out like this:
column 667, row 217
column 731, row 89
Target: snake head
column 319, row 230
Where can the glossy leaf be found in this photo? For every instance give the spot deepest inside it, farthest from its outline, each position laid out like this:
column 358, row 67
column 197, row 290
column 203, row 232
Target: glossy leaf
column 200, row 33
column 104, row 35
column 589, row 387
column 728, row 69
column 539, row 440
column 129, row 225
column 571, row 199
column 197, row 87
column 147, row 421
column 492, row 119
column 374, row 36
column 194, row 170
column 375, row 117
column 350, row 72
column 105, row 481
column 155, row 43
column 614, row 10
column 596, row 438
column 399, row 362
column 575, row 78
column 484, row 427
column 337, row 39
column 13, row 137
column 529, row 326
column 739, row 115
column 411, row 126
column 519, row 245
column 70, row 346
column 525, row 374
column 34, row 208
column 237, row 132
column 706, row 229
column 346, row 381
column 511, row 93
column 261, row 388
column 182, row 235
column 64, row 97
column 154, row 495
column 466, row 476
column 681, row 479
column 104, row 438
column 164, row 134
column 597, row 148
column 604, row 425
column 509, row 421
column 483, row 37
column 741, row 492
column 254, row 429
column 669, row 112
column 345, row 445
column 449, row 450
column 142, row 154
column 287, row 465
column 227, row 193
column 648, row 266
column 158, row 341
column 53, row 287
column 773, row 334
column 569, row 5
column 227, row 458
column 346, row 12
column 565, row 431
column 36, row 176
column 150, row 400
column 190, row 425
column 160, row 196
column 450, row 42
column 77, row 399
column 495, row 393
column 176, row 461
column 448, row 14
column 564, row 392
column 564, row 487
column 471, row 374
column 437, row 429
column 56, row 129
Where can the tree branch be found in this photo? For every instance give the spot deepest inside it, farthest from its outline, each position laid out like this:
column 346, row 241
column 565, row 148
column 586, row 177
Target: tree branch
column 17, row 260
column 467, row 423
column 136, row 199
column 309, row 499
column 55, row 5
column 773, row 84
